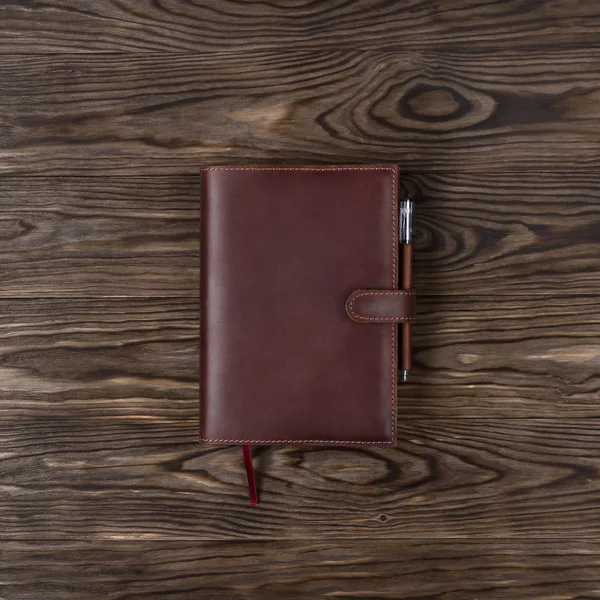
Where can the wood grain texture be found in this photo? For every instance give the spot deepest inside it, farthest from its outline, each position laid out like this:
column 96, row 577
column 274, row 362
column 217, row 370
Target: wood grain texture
column 477, row 357
column 65, row 237
column 476, row 234
column 110, row 476
column 29, row 26
column 299, row 570
column 504, row 356
column 427, row 111
column 108, row 110
column 62, row 361
column 506, row 233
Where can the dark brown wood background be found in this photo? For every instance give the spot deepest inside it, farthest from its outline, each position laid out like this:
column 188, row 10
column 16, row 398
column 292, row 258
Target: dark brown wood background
column 109, row 108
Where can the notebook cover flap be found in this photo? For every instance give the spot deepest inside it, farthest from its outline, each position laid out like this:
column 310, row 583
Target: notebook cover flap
column 282, row 250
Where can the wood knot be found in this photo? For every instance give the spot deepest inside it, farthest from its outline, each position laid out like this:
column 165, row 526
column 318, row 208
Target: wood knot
column 435, row 103
column 433, row 106
column 350, row 466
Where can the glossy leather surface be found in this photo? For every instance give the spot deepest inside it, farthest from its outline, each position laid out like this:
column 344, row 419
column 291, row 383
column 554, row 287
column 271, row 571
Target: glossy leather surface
column 282, row 250
column 382, row 306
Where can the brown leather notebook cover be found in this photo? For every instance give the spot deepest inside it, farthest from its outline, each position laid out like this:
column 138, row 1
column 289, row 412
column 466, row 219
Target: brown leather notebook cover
column 299, row 305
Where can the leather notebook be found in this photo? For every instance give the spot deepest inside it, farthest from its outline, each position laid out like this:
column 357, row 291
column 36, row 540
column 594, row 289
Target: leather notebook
column 300, row 305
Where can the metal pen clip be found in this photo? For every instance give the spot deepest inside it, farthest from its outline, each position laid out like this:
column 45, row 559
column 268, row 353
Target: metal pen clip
column 406, row 221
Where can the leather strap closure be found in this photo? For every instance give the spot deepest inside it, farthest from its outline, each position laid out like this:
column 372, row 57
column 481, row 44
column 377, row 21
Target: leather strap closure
column 382, row 306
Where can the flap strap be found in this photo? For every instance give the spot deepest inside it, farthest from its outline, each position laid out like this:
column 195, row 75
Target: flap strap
column 382, row 306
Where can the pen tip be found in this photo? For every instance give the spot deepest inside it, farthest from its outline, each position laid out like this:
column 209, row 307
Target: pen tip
column 404, row 376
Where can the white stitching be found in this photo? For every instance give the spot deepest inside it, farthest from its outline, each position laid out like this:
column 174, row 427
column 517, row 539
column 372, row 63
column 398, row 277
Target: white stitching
column 394, row 172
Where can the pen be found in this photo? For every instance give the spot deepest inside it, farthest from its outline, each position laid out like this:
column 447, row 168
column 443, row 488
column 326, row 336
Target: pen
column 406, row 232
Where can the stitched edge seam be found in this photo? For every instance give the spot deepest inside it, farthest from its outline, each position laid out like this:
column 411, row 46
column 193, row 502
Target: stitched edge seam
column 290, row 168
column 374, row 443
column 394, row 172
column 395, row 240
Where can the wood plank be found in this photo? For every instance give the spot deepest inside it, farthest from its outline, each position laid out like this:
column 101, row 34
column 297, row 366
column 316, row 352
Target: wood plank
column 129, row 25
column 382, row 569
column 476, row 234
column 95, row 477
column 507, row 233
column 139, row 359
column 504, row 356
column 80, row 236
column 429, row 111
column 127, row 359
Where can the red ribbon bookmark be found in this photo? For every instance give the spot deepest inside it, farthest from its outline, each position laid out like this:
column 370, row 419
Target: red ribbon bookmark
column 250, row 475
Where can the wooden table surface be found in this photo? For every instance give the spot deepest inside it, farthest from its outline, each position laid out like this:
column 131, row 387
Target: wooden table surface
column 108, row 110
